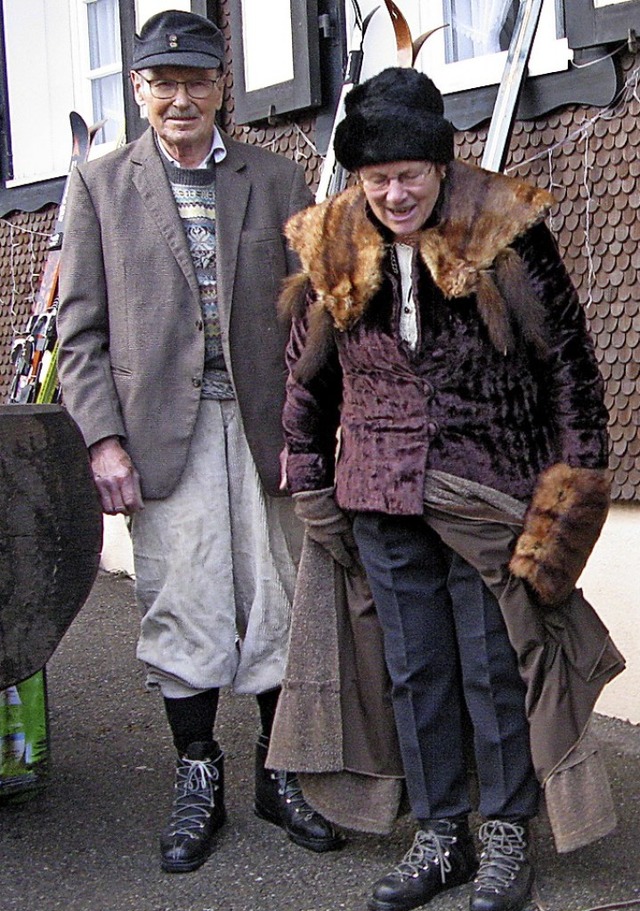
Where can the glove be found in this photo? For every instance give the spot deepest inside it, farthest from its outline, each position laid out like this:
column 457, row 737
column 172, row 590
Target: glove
column 327, row 524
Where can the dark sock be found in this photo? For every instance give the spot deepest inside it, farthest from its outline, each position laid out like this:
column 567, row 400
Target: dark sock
column 267, row 703
column 192, row 719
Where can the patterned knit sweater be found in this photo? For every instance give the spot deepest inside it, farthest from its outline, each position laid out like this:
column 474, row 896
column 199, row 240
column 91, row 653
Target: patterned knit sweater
column 194, row 193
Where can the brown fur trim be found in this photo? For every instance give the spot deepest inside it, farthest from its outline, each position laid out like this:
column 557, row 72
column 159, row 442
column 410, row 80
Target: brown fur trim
column 493, row 312
column 293, row 295
column 341, row 253
column 292, row 301
column 319, row 343
column 483, row 212
column 527, row 310
column 562, row 524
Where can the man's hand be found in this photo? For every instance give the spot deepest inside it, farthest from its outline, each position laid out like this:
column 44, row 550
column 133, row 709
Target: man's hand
column 116, row 477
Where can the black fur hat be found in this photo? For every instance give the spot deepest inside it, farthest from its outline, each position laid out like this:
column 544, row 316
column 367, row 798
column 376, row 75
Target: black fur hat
column 396, row 115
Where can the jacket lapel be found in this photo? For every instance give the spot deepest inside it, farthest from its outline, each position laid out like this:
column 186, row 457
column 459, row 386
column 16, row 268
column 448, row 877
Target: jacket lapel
column 150, row 179
column 233, row 186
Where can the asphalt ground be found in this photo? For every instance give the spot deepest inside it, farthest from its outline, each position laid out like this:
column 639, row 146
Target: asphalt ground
column 88, row 842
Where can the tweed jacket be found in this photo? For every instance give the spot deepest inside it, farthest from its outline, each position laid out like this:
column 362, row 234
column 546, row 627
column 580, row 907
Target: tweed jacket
column 502, row 383
column 130, row 322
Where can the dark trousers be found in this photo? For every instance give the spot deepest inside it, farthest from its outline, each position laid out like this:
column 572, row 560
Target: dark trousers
column 449, row 658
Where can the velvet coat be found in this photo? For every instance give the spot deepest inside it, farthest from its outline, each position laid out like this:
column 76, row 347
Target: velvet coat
column 502, row 384
column 130, row 321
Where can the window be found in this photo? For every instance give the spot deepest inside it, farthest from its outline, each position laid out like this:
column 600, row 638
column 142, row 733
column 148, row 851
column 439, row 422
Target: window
column 471, row 50
column 277, row 57
column 476, row 29
column 61, row 55
column 105, row 67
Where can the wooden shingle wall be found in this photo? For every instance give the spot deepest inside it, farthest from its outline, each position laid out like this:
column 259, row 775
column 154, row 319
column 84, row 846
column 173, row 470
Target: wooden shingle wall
column 590, row 160
column 23, row 243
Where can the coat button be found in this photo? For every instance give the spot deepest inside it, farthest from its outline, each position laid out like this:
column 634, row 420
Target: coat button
column 199, row 325
column 433, row 429
column 196, row 382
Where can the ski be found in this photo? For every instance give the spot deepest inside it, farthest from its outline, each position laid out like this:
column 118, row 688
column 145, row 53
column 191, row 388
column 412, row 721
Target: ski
column 515, row 70
column 32, row 350
column 333, row 177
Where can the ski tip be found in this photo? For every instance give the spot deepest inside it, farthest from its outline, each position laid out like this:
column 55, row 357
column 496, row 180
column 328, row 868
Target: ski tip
column 78, row 123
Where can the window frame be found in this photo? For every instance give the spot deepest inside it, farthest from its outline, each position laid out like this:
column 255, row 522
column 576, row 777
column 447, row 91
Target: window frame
column 302, row 91
column 92, row 75
column 596, row 84
column 588, row 25
column 550, row 54
column 32, row 196
column 6, row 151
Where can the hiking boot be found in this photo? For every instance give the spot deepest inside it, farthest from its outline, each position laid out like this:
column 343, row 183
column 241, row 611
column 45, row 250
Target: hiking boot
column 505, row 875
column 198, row 809
column 279, row 799
column 442, row 856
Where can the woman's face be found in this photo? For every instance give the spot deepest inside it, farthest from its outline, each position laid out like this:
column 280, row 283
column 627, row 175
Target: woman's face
column 402, row 194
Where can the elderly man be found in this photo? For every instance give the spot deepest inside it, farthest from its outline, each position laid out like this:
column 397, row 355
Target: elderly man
column 172, row 363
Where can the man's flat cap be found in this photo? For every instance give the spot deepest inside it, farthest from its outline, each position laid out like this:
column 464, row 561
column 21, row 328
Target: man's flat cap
column 178, row 38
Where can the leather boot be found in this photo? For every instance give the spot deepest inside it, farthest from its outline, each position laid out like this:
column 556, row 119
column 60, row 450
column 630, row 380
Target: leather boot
column 442, row 856
column 279, row 800
column 505, row 876
column 198, row 809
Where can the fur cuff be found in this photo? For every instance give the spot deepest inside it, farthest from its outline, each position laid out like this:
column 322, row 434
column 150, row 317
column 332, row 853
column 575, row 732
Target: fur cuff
column 562, row 524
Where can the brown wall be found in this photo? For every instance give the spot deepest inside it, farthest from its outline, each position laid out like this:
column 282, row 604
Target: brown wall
column 587, row 157
column 23, row 244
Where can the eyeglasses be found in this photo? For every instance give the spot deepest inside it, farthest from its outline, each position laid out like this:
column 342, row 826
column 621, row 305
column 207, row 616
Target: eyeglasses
column 164, row 89
column 409, row 180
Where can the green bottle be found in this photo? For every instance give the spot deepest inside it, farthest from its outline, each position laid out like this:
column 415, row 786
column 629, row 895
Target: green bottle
column 24, row 748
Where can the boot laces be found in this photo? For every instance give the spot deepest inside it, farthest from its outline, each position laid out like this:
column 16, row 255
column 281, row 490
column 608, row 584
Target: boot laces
column 196, row 784
column 429, row 848
column 502, row 856
column 289, row 788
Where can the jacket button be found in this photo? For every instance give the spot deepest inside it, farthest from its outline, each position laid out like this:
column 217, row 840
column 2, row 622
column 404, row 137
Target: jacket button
column 433, row 429
column 196, row 382
column 199, row 325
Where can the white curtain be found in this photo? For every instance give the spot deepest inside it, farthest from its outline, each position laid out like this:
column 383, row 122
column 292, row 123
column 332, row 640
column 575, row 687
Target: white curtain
column 103, row 26
column 477, row 25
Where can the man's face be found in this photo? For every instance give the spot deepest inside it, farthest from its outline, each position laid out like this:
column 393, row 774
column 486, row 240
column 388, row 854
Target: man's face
column 402, row 194
column 182, row 121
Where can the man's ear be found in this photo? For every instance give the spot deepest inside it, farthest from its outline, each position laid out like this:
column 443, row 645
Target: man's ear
column 136, row 82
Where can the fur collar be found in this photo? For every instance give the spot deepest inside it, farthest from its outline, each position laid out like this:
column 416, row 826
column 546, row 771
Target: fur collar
column 467, row 251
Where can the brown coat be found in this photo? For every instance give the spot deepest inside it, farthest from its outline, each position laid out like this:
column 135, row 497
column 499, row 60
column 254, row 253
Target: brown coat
column 333, row 713
column 130, row 322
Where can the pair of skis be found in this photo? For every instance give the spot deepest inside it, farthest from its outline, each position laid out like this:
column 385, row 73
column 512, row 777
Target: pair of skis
column 333, row 177
column 34, row 352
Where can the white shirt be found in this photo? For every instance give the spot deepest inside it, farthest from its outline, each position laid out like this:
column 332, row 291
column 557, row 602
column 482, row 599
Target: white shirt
column 408, row 318
column 217, row 150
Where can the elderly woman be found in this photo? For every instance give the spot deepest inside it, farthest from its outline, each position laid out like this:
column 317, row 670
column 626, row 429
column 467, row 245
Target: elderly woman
column 434, row 326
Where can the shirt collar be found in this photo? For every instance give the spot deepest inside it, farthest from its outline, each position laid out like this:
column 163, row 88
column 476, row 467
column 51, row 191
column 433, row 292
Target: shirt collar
column 217, row 152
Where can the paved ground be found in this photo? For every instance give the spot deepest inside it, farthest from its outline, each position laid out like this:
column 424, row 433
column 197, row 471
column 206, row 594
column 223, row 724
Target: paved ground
column 88, row 843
